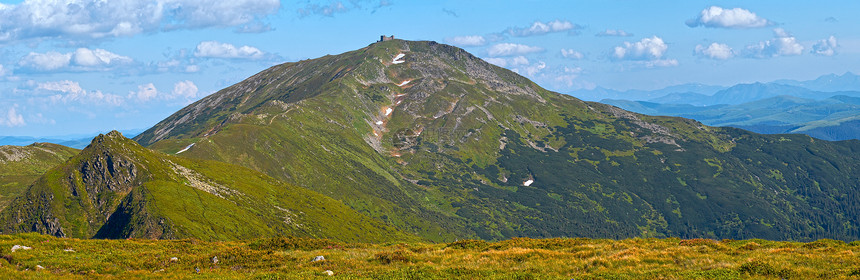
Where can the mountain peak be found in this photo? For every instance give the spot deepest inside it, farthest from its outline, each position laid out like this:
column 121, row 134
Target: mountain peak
column 113, row 140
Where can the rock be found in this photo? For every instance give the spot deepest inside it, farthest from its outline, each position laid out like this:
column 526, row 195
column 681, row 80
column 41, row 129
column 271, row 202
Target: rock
column 20, row 247
column 70, row 250
column 215, row 260
column 319, row 258
column 328, row 272
column 39, row 267
column 174, row 259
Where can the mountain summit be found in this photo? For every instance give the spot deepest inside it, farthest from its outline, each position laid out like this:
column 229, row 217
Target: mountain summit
column 437, row 142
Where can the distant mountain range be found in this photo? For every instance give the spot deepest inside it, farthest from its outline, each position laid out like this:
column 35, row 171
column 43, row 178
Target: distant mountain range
column 826, row 108
column 77, row 141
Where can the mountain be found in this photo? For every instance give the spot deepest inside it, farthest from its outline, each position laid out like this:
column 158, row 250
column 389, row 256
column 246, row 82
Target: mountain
column 688, row 98
column 21, row 165
column 77, row 141
column 436, row 142
column 828, row 83
column 115, row 188
column 833, row 118
column 600, row 93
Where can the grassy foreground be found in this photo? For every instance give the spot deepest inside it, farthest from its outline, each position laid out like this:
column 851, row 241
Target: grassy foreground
column 521, row 258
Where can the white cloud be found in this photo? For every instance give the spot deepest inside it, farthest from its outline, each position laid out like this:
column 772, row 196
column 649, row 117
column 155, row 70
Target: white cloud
column 509, row 49
column 646, row 49
column 783, row 44
column 736, row 18
column 508, row 62
column 12, row 118
column 530, row 70
column 825, row 47
column 569, row 77
column 48, row 61
column 254, row 27
column 326, row 10
column 467, row 41
column 82, row 59
column 98, row 58
column 215, row 49
column 94, row 19
column 70, row 91
column 65, row 86
column 614, row 33
column 186, row 89
column 183, row 90
column 647, row 52
column 715, row 51
column 144, row 93
column 660, row 63
column 570, row 53
column 4, row 71
column 540, row 28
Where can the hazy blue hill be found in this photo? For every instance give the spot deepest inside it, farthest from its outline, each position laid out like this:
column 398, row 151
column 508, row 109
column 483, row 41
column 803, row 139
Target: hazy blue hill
column 688, row 98
column 829, row 119
column 77, row 141
column 640, row 95
column 828, row 83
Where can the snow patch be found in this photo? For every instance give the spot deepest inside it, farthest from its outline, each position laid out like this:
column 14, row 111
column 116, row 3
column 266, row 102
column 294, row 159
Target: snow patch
column 388, row 111
column 186, row 148
column 397, row 58
column 528, row 182
column 404, row 83
column 379, row 123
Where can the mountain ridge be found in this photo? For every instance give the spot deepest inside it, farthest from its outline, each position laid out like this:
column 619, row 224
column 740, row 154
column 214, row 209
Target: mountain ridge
column 435, row 141
column 116, row 188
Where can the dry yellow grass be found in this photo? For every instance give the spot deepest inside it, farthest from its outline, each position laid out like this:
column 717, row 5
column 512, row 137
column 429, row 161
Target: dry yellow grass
column 520, row 258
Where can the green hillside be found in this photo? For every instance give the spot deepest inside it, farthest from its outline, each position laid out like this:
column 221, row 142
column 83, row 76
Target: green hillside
column 22, row 165
column 439, row 143
column 116, row 188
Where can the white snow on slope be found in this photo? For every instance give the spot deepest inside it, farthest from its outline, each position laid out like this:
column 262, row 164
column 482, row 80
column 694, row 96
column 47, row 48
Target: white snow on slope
column 528, row 182
column 388, row 111
column 404, row 83
column 397, row 58
column 185, row 149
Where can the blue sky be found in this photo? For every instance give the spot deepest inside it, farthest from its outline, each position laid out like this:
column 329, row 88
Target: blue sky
column 83, row 66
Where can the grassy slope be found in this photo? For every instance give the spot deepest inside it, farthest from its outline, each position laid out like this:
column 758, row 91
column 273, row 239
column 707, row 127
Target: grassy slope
column 16, row 175
column 598, row 171
column 159, row 202
column 468, row 259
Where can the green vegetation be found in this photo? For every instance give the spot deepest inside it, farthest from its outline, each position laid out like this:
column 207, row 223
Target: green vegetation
column 519, row 258
column 452, row 159
column 22, row 165
column 116, row 188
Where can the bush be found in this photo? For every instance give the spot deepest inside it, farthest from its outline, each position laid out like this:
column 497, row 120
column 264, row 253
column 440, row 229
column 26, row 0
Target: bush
column 295, row 243
column 469, row 244
column 391, row 257
column 764, row 269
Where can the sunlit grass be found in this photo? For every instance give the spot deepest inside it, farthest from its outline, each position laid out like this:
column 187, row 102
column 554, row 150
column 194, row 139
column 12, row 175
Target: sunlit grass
column 520, row 258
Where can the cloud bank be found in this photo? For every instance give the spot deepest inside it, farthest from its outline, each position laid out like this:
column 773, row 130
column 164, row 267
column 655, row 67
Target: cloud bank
column 736, row 18
column 95, row 19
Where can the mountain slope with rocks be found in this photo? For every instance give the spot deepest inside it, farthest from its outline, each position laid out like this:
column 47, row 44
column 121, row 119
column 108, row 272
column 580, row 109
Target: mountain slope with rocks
column 437, row 142
column 116, row 188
